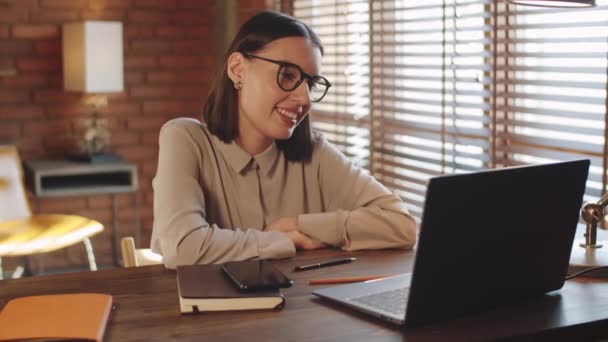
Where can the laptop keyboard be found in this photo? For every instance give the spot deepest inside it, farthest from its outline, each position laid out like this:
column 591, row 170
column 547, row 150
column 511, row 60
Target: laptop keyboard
column 392, row 301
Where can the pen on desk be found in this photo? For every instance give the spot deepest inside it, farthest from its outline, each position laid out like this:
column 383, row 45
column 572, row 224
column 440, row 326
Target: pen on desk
column 328, row 281
column 324, row 264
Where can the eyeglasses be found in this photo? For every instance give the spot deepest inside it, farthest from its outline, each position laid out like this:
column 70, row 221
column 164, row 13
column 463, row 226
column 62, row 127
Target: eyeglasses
column 290, row 76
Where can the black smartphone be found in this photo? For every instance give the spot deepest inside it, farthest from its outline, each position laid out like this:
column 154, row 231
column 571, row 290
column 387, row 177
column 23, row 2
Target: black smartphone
column 255, row 275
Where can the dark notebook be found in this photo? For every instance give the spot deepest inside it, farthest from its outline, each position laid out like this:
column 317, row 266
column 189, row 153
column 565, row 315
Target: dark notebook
column 206, row 288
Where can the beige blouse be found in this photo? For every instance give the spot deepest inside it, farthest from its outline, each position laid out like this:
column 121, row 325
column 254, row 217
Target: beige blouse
column 212, row 200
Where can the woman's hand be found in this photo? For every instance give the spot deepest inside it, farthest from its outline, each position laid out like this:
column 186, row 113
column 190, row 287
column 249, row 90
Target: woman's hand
column 305, row 242
column 289, row 225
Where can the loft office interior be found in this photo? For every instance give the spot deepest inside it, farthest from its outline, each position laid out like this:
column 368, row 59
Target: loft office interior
column 421, row 89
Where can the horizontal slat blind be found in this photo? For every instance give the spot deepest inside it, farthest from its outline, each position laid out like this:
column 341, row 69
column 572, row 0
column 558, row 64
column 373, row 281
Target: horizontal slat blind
column 343, row 115
column 430, row 68
column 551, row 86
column 462, row 85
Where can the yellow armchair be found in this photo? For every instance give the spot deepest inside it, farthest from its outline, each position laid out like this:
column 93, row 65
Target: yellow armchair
column 23, row 233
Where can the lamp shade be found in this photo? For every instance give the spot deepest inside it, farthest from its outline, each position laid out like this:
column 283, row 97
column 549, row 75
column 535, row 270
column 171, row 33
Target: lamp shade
column 93, row 57
column 555, row 3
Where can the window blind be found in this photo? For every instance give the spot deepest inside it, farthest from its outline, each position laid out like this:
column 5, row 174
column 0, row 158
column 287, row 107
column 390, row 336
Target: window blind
column 424, row 88
column 430, row 92
column 343, row 115
column 551, row 87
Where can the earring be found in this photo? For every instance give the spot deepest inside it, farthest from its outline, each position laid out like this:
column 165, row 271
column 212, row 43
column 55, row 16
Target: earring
column 238, row 85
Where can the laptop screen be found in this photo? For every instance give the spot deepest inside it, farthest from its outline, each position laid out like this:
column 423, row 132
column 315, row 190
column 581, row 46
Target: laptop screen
column 492, row 237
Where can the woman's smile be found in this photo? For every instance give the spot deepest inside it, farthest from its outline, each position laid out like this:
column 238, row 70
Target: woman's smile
column 288, row 117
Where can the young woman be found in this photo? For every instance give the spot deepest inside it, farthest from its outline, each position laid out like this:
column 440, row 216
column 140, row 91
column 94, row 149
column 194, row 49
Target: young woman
column 253, row 180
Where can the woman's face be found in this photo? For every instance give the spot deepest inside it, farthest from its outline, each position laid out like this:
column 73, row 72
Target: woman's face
column 267, row 112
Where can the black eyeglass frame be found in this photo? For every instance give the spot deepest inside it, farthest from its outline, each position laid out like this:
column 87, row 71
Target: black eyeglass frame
column 303, row 75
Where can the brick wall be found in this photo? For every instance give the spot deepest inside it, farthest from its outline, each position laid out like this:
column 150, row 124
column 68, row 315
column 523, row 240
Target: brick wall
column 168, row 48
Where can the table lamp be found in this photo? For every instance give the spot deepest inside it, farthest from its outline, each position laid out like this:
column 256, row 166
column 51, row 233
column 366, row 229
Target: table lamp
column 93, row 65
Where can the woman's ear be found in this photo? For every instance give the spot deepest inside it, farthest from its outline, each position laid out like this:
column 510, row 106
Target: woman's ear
column 236, row 67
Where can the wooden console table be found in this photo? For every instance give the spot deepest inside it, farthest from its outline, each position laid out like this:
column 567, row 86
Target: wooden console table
column 61, row 178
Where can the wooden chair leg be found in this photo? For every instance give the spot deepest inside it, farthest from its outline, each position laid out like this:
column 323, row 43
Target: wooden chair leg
column 90, row 255
column 18, row 272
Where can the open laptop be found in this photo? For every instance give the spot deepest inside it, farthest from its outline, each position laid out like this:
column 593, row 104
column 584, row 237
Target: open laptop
column 487, row 238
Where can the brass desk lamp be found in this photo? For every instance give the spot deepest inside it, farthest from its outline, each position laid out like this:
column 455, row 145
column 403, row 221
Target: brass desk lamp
column 590, row 253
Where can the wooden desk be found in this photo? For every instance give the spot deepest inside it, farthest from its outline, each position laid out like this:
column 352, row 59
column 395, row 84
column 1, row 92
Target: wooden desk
column 147, row 308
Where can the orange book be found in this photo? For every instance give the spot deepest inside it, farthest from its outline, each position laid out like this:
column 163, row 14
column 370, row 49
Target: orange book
column 77, row 316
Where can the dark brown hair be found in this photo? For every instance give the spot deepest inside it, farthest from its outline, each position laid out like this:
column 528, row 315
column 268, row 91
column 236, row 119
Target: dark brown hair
column 220, row 111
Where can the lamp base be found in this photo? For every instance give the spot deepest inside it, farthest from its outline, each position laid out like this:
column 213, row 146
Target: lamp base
column 583, row 258
column 95, row 158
